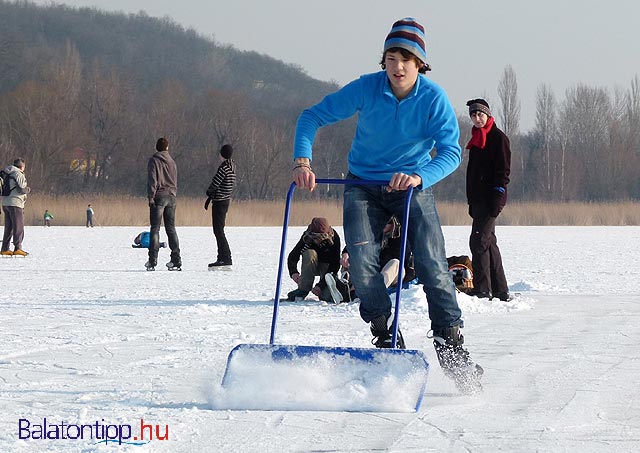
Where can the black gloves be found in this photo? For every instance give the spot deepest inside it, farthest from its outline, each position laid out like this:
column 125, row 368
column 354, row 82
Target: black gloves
column 207, row 203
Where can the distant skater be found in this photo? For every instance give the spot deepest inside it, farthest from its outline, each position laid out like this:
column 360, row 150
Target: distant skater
column 89, row 216
column 219, row 195
column 47, row 218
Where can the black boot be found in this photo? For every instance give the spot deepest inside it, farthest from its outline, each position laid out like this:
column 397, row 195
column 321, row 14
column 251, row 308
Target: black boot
column 381, row 331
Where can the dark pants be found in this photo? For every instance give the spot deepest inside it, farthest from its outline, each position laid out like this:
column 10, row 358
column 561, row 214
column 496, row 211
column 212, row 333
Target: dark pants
column 219, row 211
column 164, row 209
column 488, row 273
column 13, row 227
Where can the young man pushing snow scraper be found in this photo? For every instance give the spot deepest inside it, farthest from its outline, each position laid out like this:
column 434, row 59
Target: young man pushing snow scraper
column 402, row 116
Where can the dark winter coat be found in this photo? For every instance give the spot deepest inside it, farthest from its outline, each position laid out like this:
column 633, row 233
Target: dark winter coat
column 162, row 175
column 327, row 253
column 488, row 173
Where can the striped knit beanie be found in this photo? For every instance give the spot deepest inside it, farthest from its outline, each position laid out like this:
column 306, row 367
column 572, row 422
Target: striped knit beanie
column 409, row 35
column 479, row 105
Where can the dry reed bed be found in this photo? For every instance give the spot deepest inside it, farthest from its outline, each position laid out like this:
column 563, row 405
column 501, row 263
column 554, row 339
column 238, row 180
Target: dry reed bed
column 132, row 211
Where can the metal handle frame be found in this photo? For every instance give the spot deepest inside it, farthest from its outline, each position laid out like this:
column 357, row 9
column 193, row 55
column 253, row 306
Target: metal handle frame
column 283, row 243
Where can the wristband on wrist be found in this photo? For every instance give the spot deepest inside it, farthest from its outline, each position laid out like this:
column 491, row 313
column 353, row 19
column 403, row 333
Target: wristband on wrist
column 302, row 165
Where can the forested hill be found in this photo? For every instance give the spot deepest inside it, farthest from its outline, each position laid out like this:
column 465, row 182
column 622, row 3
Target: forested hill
column 147, row 49
column 84, row 94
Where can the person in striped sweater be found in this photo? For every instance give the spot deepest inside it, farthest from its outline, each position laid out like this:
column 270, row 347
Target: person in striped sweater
column 219, row 196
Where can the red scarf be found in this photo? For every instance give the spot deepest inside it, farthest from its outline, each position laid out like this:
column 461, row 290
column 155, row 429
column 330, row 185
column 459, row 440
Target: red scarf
column 479, row 134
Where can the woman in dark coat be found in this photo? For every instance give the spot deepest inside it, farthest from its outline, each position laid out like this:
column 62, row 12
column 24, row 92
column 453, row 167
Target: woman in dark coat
column 487, row 179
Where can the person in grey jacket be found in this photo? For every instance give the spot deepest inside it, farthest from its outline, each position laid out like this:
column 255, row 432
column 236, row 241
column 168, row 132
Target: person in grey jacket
column 13, row 207
column 162, row 188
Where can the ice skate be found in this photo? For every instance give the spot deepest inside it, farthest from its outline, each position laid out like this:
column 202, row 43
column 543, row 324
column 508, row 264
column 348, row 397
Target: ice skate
column 150, row 265
column 174, row 266
column 455, row 360
column 220, row 265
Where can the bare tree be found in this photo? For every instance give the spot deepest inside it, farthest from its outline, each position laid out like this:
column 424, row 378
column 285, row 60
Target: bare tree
column 264, row 171
column 632, row 116
column 510, row 116
column 586, row 112
column 107, row 105
column 508, row 94
column 44, row 119
column 546, row 126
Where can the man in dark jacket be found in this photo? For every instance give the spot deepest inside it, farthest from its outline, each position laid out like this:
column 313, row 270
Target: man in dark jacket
column 487, row 179
column 162, row 188
column 319, row 248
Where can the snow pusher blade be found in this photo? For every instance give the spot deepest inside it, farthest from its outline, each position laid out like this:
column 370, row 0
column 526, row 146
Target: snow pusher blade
column 316, row 378
column 320, row 378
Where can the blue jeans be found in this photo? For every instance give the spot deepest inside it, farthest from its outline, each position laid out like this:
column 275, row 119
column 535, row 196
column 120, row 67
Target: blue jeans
column 366, row 211
column 164, row 208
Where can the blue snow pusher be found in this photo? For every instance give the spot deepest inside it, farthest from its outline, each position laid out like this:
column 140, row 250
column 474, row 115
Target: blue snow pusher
column 320, row 378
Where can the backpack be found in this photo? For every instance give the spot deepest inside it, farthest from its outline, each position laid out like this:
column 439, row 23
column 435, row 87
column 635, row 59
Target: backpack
column 5, row 183
column 142, row 240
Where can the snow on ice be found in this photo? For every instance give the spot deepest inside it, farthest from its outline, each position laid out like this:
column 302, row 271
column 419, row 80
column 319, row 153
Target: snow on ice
column 113, row 358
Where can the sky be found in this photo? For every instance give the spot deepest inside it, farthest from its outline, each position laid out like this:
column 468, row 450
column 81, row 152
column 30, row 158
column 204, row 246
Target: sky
column 469, row 43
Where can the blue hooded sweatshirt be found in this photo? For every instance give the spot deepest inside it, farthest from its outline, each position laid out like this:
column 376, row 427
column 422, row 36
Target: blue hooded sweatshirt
column 391, row 136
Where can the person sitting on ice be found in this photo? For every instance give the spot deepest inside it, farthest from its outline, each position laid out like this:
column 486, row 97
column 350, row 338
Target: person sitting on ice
column 389, row 262
column 319, row 248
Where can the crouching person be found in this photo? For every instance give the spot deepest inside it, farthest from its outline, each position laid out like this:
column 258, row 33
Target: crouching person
column 319, row 248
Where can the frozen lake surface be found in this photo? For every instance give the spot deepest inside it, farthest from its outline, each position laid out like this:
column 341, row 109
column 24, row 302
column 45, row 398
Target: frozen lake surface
column 88, row 337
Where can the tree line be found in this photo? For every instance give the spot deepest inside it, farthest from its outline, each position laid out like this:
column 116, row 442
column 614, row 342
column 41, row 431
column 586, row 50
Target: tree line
column 584, row 147
column 84, row 94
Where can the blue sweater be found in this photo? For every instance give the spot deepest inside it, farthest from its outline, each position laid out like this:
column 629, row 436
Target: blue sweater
column 391, row 136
